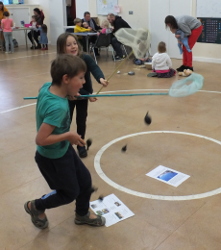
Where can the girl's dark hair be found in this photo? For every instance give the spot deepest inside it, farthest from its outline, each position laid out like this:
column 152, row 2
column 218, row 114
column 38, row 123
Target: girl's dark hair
column 172, row 21
column 66, row 65
column 44, row 28
column 37, row 10
column 162, row 47
column 6, row 13
column 61, row 43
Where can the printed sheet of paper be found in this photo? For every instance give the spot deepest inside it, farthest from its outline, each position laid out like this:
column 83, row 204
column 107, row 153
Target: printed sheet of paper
column 113, row 209
column 168, row 175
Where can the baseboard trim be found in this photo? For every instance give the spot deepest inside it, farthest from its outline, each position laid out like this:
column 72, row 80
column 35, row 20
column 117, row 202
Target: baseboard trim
column 207, row 59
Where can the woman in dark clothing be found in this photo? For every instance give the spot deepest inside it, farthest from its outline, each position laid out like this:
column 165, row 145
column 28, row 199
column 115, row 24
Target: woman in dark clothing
column 35, row 33
column 68, row 44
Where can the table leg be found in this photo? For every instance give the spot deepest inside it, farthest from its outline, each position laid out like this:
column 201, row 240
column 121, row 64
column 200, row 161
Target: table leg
column 87, row 43
column 26, row 40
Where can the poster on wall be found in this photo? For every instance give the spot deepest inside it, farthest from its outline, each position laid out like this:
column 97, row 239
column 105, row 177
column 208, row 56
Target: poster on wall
column 105, row 7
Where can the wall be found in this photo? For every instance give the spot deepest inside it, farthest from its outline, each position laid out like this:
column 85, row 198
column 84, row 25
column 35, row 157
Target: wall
column 139, row 8
column 202, row 51
column 206, row 52
column 44, row 5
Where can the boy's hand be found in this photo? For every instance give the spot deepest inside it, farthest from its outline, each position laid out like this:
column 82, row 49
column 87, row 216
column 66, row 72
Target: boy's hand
column 104, row 82
column 92, row 99
column 76, row 139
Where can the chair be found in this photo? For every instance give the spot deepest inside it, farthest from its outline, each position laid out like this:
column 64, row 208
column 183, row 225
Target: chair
column 103, row 41
column 69, row 30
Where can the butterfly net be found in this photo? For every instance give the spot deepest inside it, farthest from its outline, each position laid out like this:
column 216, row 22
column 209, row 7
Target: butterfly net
column 138, row 40
column 186, row 86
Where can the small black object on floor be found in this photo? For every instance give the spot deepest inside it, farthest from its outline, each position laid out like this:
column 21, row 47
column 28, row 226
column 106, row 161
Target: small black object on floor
column 147, row 119
column 88, row 143
column 124, row 148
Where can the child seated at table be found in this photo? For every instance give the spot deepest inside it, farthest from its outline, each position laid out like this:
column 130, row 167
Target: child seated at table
column 34, row 33
column 105, row 27
column 77, row 29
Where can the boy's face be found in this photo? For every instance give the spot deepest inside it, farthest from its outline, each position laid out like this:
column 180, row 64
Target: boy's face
column 75, row 83
column 71, row 46
column 79, row 24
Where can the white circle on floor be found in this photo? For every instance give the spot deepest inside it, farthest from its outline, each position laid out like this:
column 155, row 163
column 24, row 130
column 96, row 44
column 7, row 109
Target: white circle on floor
column 100, row 172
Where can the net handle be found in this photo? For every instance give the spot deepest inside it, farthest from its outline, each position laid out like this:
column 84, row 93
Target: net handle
column 116, row 69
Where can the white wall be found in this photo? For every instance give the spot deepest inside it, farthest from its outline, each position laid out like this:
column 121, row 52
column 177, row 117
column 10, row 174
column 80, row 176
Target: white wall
column 139, row 8
column 81, row 7
column 201, row 51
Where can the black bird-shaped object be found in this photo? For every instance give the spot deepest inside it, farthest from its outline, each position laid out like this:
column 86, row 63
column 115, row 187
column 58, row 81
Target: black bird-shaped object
column 88, row 143
column 124, row 148
column 147, row 119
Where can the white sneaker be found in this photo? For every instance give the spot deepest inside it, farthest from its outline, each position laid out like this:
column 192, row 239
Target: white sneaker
column 6, row 52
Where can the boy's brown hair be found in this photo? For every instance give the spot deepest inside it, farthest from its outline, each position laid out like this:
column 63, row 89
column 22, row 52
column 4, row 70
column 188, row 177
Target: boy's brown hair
column 77, row 20
column 68, row 65
column 162, row 47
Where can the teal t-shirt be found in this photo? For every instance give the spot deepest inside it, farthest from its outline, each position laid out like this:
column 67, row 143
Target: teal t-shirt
column 53, row 110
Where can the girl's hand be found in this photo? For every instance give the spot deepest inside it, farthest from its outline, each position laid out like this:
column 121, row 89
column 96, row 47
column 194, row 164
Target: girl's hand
column 92, row 99
column 73, row 98
column 76, row 139
column 177, row 36
column 104, row 82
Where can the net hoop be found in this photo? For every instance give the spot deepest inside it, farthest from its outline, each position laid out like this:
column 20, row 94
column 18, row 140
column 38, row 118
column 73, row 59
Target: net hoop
column 138, row 40
column 181, row 88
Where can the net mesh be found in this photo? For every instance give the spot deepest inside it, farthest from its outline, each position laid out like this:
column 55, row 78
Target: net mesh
column 138, row 40
column 187, row 86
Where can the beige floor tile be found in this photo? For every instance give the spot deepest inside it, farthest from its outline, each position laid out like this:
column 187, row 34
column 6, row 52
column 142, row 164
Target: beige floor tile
column 157, row 224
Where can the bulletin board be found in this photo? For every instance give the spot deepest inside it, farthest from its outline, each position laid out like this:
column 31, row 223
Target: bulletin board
column 211, row 30
column 105, row 7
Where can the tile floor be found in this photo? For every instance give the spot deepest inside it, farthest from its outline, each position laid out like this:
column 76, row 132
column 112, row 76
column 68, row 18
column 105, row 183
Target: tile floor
column 158, row 224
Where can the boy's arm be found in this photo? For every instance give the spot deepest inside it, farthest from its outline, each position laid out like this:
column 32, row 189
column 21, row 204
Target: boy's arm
column 45, row 137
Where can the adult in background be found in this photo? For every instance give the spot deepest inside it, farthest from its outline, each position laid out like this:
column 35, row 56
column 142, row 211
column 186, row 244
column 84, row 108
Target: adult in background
column 2, row 10
column 94, row 27
column 35, row 33
column 192, row 29
column 117, row 22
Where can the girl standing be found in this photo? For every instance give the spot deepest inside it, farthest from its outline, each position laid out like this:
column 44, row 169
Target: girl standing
column 7, row 24
column 161, row 62
column 68, row 44
column 43, row 36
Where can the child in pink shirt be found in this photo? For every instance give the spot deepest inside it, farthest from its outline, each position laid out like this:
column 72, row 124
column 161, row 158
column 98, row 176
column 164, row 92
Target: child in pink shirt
column 6, row 25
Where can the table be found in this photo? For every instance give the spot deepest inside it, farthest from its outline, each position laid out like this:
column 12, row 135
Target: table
column 26, row 29
column 26, row 33
column 87, row 36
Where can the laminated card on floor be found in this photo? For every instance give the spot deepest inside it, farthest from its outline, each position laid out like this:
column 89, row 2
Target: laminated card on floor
column 113, row 209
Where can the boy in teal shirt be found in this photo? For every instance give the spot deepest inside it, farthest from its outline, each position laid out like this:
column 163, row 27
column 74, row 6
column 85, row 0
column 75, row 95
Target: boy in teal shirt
column 58, row 162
